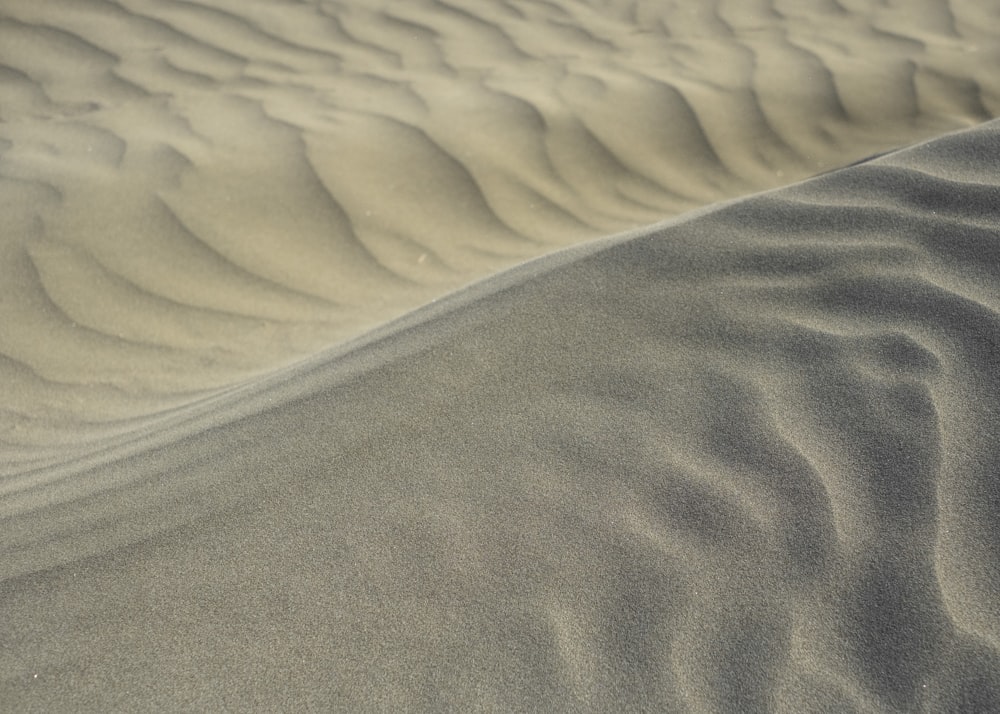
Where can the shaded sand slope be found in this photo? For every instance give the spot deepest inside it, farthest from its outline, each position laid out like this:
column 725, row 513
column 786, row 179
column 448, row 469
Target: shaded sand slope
column 194, row 192
column 741, row 461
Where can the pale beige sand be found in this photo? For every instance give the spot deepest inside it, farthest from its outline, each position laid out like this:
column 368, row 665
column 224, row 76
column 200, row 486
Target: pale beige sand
column 196, row 192
column 740, row 462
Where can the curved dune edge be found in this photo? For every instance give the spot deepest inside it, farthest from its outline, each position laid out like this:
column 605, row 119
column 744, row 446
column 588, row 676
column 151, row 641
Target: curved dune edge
column 195, row 193
column 738, row 462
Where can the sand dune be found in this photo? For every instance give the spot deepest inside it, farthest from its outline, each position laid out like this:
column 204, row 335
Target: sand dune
column 741, row 461
column 738, row 458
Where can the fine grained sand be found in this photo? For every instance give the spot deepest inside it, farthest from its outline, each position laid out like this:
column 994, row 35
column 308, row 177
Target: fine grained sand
column 742, row 460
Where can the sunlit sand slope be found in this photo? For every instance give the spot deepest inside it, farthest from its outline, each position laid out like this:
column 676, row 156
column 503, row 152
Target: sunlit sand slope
column 192, row 193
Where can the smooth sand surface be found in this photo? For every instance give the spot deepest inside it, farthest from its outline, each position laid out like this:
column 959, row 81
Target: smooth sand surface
column 740, row 460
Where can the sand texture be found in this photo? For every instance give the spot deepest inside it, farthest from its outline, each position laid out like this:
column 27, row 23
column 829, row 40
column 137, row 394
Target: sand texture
column 499, row 356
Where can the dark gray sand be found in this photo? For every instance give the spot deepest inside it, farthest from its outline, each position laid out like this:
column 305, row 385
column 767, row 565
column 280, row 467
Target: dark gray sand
column 279, row 433
column 741, row 461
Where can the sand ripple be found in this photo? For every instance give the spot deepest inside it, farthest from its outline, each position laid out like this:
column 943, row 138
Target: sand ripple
column 195, row 193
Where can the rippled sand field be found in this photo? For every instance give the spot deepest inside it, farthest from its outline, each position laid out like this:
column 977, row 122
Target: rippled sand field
column 499, row 356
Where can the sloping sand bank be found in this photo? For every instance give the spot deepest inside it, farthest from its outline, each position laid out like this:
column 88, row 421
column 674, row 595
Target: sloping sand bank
column 741, row 461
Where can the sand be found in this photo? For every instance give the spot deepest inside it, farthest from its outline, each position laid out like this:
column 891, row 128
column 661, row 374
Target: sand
column 285, row 430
